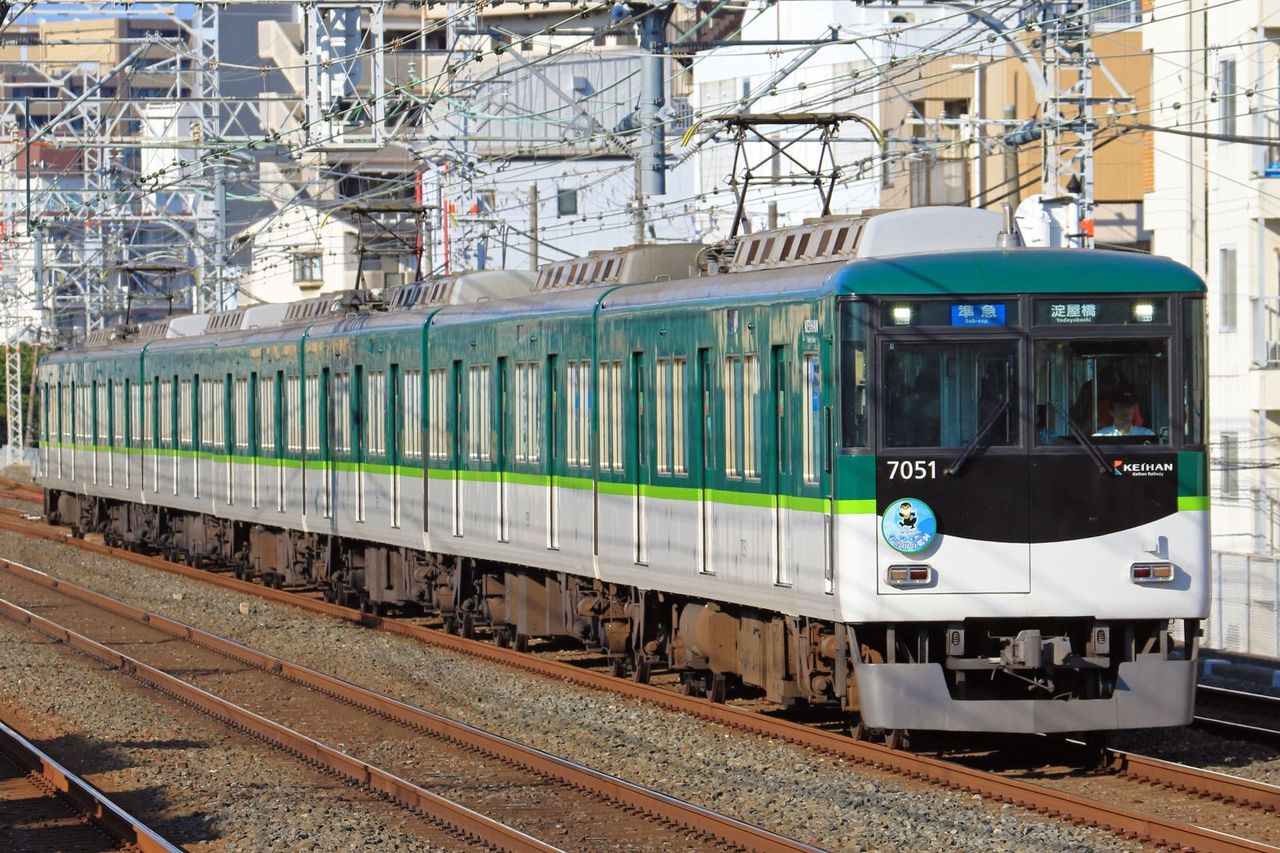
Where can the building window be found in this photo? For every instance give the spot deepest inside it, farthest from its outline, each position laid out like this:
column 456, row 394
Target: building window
column 1227, row 95
column 566, row 202
column 1227, row 281
column 1229, row 464
column 308, row 267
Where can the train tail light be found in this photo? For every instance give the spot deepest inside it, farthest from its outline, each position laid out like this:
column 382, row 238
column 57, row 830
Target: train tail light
column 1151, row 572
column 915, row 575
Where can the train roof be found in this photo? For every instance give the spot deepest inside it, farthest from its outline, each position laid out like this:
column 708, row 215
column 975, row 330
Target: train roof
column 989, row 271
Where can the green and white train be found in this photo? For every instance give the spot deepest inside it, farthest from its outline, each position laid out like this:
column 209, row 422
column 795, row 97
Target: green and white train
column 879, row 462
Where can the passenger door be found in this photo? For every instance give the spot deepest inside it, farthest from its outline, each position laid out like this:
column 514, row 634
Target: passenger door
column 952, row 471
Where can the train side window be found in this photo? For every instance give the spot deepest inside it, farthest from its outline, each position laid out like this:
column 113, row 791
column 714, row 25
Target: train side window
column 411, row 423
column 375, row 412
column 478, row 408
column 811, row 417
column 102, row 416
column 341, row 413
column 166, row 416
column 312, row 392
column 611, row 415
column 118, row 413
column 437, row 414
column 267, row 413
column 186, row 428
column 853, row 373
column 670, row 416
column 733, row 416
column 293, row 412
column 528, row 404
column 573, row 433
column 751, row 416
column 240, row 403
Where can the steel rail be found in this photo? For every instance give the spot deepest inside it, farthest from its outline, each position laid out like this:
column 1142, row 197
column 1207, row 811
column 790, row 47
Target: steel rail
column 474, row 825
column 82, row 796
column 1038, row 798
column 1257, row 705
column 627, row 794
column 1195, row 780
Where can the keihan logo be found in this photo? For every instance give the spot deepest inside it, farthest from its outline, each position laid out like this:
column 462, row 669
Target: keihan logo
column 1141, row 469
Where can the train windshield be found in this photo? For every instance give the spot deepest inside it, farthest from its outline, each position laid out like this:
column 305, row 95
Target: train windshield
column 1114, row 391
column 944, row 394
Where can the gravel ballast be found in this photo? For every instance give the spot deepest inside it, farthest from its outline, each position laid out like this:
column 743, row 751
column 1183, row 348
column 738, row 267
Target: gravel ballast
column 822, row 800
column 194, row 781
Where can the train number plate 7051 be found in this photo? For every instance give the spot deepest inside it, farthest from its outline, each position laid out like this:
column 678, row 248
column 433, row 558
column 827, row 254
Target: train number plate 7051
column 908, row 469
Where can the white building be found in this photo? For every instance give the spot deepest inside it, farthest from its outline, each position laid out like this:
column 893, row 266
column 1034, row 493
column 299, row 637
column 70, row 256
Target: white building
column 1217, row 210
column 299, row 252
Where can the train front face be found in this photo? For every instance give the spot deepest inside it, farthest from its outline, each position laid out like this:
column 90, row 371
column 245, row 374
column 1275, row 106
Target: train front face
column 1031, row 428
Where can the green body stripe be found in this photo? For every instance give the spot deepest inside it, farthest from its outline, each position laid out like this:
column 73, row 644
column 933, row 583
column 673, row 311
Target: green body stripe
column 860, row 507
column 625, row 489
column 1193, row 504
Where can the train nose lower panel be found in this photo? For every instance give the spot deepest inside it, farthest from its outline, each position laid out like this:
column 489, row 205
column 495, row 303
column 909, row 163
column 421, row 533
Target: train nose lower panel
column 1150, row 692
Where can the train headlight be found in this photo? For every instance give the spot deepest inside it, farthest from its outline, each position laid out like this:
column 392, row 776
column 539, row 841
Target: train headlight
column 916, row 574
column 1151, row 572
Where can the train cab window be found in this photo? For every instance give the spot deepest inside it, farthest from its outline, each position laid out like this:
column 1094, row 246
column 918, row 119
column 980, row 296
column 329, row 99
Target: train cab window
column 1112, row 391
column 945, row 394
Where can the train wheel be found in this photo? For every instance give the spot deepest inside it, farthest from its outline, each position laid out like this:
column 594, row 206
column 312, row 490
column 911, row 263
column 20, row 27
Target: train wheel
column 467, row 628
column 895, row 738
column 640, row 674
column 522, row 643
column 618, row 667
column 691, row 685
column 717, row 688
column 277, row 581
column 502, row 638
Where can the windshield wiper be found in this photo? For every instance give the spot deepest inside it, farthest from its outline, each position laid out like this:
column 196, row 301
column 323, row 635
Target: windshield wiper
column 954, row 468
column 1085, row 440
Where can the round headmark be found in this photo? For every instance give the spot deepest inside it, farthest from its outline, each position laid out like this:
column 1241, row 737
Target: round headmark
column 909, row 525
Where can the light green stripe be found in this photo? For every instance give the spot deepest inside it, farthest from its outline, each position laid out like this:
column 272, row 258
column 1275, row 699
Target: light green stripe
column 440, row 474
column 741, row 498
column 856, row 507
column 1193, row 504
column 803, row 504
column 582, row 484
column 671, row 493
column 624, row 489
column 522, row 479
column 478, row 476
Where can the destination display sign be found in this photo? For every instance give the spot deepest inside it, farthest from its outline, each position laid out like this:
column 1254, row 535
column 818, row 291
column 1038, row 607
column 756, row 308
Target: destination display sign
column 1111, row 312
column 983, row 314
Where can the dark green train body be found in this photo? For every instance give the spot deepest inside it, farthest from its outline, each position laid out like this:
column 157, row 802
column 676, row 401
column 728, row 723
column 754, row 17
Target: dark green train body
column 952, row 490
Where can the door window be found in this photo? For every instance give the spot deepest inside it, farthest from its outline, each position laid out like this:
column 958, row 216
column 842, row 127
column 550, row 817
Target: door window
column 1115, row 391
column 945, row 394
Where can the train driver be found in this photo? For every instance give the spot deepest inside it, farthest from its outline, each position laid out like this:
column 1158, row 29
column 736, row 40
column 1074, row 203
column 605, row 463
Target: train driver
column 1123, row 408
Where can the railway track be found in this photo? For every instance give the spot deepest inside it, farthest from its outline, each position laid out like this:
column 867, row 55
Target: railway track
column 45, row 806
column 534, row 794
column 1237, row 713
column 1069, row 805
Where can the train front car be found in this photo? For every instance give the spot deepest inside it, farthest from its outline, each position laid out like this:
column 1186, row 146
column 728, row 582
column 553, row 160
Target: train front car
column 1023, row 451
